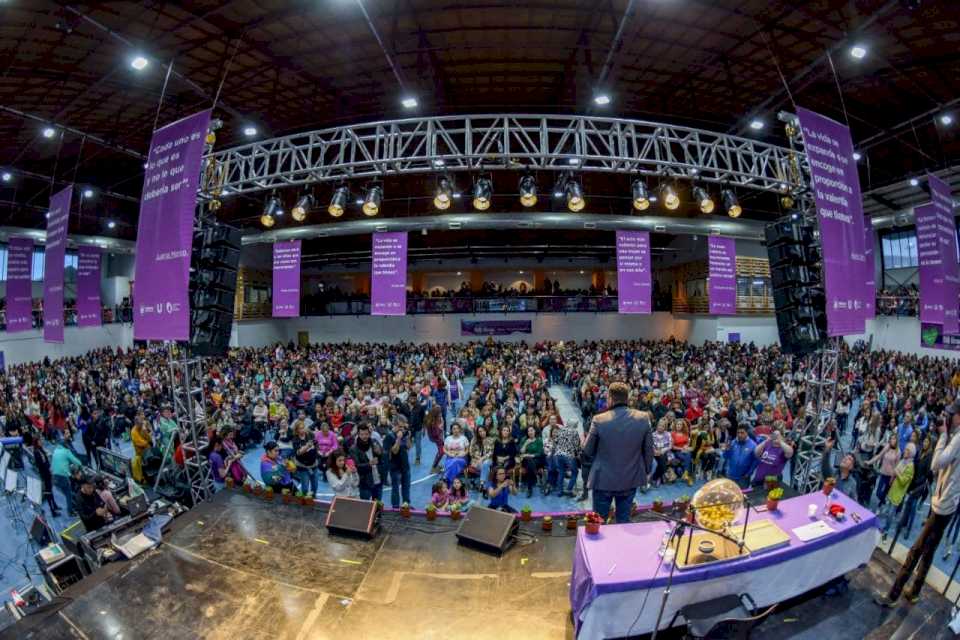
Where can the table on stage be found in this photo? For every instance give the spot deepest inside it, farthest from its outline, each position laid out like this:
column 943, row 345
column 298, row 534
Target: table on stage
column 614, row 591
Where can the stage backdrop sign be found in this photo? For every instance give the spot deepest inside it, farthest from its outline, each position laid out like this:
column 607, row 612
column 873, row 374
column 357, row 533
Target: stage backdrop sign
column 836, row 190
column 89, row 312
column 634, row 283
column 19, row 287
column 869, row 270
column 58, row 221
column 494, row 327
column 722, row 285
column 942, row 203
column 388, row 282
column 161, row 309
column 286, row 279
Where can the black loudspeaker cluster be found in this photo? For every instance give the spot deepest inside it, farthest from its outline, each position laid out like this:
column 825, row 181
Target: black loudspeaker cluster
column 213, row 287
column 798, row 299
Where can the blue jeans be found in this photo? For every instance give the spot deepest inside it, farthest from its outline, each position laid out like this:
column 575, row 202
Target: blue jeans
column 418, row 442
column 485, row 472
column 623, row 499
column 63, row 483
column 685, row 460
column 557, row 467
column 308, row 480
column 374, row 493
column 399, row 480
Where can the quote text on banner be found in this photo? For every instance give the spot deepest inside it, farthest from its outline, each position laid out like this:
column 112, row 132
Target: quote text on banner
column 388, row 277
column 58, row 221
column 634, row 279
column 89, row 312
column 286, row 279
column 722, row 266
column 19, row 285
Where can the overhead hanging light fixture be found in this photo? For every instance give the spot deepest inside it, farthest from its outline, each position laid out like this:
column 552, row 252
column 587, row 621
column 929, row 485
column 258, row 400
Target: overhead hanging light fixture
column 730, row 203
column 373, row 200
column 444, row 195
column 704, row 201
column 271, row 209
column 338, row 201
column 575, row 200
column 528, row 190
column 304, row 204
column 482, row 193
column 641, row 198
column 670, row 198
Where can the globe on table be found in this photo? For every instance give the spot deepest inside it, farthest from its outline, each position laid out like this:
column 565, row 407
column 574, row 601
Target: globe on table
column 717, row 504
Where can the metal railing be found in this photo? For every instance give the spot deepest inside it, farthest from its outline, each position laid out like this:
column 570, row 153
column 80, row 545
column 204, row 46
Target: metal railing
column 110, row 315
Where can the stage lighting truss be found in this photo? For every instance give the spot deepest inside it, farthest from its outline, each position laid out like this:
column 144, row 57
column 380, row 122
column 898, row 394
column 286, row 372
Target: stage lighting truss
column 484, row 143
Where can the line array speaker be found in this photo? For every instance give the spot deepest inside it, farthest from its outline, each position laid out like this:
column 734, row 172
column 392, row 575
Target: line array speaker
column 213, row 287
column 798, row 298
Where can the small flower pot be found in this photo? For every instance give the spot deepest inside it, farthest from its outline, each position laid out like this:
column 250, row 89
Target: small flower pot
column 634, row 509
column 257, row 490
column 229, row 483
column 612, row 515
column 306, row 501
column 547, row 524
column 571, row 523
column 286, row 498
column 828, row 488
column 455, row 515
column 247, row 488
column 772, row 505
column 657, row 507
column 681, row 507
column 593, row 528
column 268, row 496
column 431, row 515
column 405, row 512
column 771, row 484
column 526, row 516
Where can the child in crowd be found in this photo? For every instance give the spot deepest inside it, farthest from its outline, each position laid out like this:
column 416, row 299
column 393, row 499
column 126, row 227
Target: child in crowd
column 459, row 495
column 441, row 496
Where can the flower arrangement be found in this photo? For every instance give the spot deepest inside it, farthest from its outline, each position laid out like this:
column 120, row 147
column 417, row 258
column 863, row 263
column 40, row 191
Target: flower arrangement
column 229, row 483
column 773, row 498
column 593, row 521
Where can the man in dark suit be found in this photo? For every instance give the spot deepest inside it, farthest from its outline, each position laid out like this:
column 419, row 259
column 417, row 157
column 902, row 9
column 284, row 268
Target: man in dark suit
column 620, row 444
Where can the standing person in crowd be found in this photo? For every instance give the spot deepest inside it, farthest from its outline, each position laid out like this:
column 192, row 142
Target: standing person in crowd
column 943, row 505
column 366, row 454
column 902, row 477
column 42, row 463
column 843, row 473
column 306, row 456
column 342, row 475
column 887, row 459
column 415, row 414
column 397, row 447
column 531, row 452
column 740, row 458
column 141, row 437
column 772, row 454
column 621, row 445
column 434, row 425
column 327, row 442
column 920, row 485
column 60, row 467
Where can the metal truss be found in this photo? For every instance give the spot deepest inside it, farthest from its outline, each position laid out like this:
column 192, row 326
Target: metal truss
column 502, row 142
column 186, row 376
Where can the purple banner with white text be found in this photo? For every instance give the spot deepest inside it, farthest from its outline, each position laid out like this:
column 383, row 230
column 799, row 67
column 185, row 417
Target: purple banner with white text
column 836, row 190
column 722, row 284
column 634, row 280
column 19, row 287
column 942, row 202
column 869, row 270
column 388, row 282
column 58, row 221
column 286, row 279
column 161, row 309
column 494, row 327
column 89, row 312
column 930, row 259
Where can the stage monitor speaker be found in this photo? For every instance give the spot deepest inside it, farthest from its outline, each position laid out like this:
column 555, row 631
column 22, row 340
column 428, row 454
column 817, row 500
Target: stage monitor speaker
column 487, row 529
column 352, row 516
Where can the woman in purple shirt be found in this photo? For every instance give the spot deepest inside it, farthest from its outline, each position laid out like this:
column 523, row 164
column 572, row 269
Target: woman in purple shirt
column 773, row 454
column 327, row 443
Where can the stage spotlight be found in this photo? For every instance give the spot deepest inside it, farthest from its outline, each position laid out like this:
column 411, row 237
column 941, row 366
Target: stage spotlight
column 409, row 102
column 49, row 132
column 703, row 199
column 670, row 198
column 914, row 182
column 111, row 224
column 575, row 200
column 856, row 156
column 304, row 204
column 7, row 176
column 946, row 119
column 271, row 209
column 139, row 63
column 858, row 51
column 757, row 124
column 88, row 193
column 641, row 199
column 528, row 190
column 372, row 201
column 601, row 99
column 482, row 193
column 444, row 195
column 731, row 204
column 250, row 131
column 338, row 201
column 267, row 221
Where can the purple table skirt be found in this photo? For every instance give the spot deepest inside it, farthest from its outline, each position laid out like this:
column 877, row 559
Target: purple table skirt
column 624, row 557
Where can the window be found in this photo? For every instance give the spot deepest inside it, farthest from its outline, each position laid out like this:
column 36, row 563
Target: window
column 36, row 273
column 899, row 250
column 3, row 264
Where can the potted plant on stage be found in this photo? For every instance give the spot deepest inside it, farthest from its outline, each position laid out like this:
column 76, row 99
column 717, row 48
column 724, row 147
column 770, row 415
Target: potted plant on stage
column 257, row 489
column 229, row 483
column 572, row 522
column 547, row 523
column 286, row 496
column 593, row 520
column 379, row 506
column 247, row 487
column 405, row 510
column 307, row 499
column 298, row 497
column 526, row 513
column 828, row 485
column 680, row 504
column 455, row 512
column 771, row 482
column 773, row 498
column 657, row 506
column 431, row 512
column 268, row 494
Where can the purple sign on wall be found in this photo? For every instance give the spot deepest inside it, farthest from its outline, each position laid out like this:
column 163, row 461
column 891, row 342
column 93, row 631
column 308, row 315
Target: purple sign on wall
column 869, row 270
column 930, row 258
column 89, row 313
column 494, row 327
column 58, row 220
column 286, row 279
column 836, row 190
column 19, row 287
column 722, row 284
column 388, row 283
column 942, row 202
column 161, row 309
column 634, row 283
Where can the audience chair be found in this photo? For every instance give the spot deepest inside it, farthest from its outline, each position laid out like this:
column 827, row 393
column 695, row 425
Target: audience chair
column 728, row 616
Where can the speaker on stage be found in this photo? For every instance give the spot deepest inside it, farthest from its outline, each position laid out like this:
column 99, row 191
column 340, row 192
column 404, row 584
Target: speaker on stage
column 798, row 298
column 213, row 287
column 487, row 529
column 352, row 516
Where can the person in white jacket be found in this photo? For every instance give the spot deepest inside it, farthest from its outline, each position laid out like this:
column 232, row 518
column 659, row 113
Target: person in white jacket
column 943, row 504
column 342, row 475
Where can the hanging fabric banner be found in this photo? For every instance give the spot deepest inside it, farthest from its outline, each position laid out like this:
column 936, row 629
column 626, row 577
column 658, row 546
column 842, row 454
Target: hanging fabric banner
column 722, row 283
column 869, row 270
column 388, row 280
column 89, row 309
column 161, row 309
column 930, row 260
column 634, row 281
column 942, row 203
column 836, row 190
column 19, row 287
column 286, row 279
column 58, row 221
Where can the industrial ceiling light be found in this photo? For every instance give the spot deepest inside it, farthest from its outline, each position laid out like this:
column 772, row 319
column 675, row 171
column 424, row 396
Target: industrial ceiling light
column 730, row 203
column 7, row 176
column 373, row 200
column 528, row 190
column 304, row 204
column 575, row 200
column 409, row 102
column 444, row 196
column 267, row 221
column 670, row 198
column 338, row 201
column 482, row 193
column 601, row 99
column 856, row 156
column 641, row 198
column 946, row 119
column 271, row 209
column 111, row 224
column 858, row 51
column 88, row 193
column 703, row 199
column 49, row 132
column 756, row 124
column 250, row 131
column 914, row 182
column 139, row 63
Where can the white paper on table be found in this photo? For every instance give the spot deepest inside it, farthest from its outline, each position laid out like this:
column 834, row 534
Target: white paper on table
column 812, row 531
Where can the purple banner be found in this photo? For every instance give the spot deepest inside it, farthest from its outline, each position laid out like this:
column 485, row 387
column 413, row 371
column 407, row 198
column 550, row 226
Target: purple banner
column 836, row 190
column 722, row 283
column 89, row 311
column 942, row 202
column 286, row 279
column 494, row 327
column 634, row 284
column 930, row 258
column 388, row 286
column 869, row 270
column 161, row 309
column 19, row 287
column 58, row 221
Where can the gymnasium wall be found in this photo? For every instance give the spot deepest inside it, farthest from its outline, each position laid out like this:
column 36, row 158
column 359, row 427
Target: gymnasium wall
column 28, row 346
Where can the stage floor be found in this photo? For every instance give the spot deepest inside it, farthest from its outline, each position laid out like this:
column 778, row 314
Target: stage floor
column 241, row 569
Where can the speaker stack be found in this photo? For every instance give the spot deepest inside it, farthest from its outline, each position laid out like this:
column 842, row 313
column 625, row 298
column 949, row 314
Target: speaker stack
column 798, row 297
column 213, row 287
